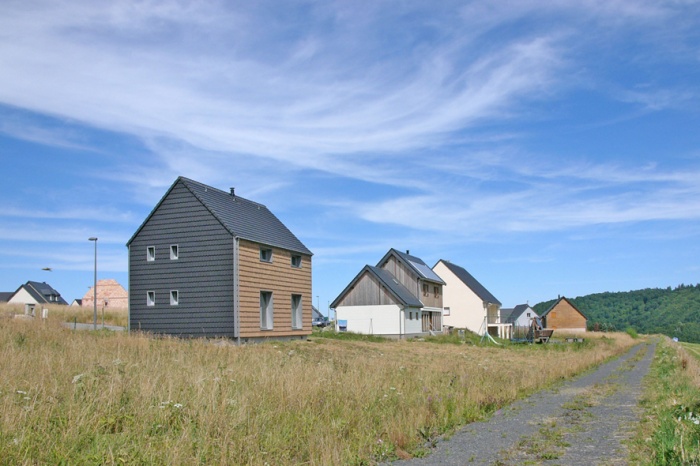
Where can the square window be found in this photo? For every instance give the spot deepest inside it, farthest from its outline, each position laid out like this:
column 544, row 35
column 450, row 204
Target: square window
column 151, row 253
column 174, row 252
column 446, row 311
column 266, row 254
column 266, row 310
column 296, row 311
column 174, row 297
column 150, row 298
column 296, row 261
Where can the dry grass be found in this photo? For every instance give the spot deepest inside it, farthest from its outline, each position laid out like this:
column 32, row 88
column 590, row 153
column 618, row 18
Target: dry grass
column 86, row 397
column 110, row 316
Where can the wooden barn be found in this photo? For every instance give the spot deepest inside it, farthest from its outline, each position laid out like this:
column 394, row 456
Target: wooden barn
column 209, row 263
column 564, row 317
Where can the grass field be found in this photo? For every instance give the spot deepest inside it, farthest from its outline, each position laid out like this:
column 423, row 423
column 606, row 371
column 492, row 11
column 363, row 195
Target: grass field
column 105, row 398
column 669, row 433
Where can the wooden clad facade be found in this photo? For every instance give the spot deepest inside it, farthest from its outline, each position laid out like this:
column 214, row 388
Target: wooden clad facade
column 430, row 293
column 279, row 277
column 366, row 290
column 564, row 316
column 191, row 275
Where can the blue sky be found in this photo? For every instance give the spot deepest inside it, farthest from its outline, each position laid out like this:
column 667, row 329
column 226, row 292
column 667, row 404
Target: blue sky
column 549, row 147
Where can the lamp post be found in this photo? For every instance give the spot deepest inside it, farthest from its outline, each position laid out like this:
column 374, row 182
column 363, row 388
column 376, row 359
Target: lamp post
column 94, row 286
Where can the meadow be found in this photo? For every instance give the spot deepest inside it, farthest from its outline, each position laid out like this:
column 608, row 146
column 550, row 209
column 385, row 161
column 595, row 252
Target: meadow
column 72, row 397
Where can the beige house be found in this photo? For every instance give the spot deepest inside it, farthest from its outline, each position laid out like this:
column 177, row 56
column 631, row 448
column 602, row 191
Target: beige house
column 109, row 294
column 468, row 304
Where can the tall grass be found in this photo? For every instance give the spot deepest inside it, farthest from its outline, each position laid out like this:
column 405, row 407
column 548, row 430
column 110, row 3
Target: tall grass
column 670, row 431
column 95, row 397
column 108, row 315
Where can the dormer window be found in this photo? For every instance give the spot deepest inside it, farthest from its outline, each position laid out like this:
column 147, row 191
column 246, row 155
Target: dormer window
column 296, row 261
column 265, row 255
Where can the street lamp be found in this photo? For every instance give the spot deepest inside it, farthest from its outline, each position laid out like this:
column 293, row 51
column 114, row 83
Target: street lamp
column 94, row 286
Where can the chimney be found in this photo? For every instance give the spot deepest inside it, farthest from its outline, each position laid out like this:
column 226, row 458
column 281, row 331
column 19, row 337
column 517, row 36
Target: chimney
column 408, row 252
column 233, row 192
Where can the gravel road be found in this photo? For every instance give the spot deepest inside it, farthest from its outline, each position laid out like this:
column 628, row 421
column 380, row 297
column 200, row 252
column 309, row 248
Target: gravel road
column 583, row 421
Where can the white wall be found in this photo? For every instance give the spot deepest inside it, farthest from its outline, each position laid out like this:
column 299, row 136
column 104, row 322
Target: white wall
column 524, row 320
column 466, row 308
column 414, row 325
column 371, row 320
column 22, row 297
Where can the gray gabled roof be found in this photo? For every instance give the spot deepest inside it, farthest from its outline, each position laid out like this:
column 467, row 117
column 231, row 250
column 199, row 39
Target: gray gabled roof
column 396, row 289
column 415, row 263
column 515, row 313
column 41, row 291
column 471, row 282
column 5, row 296
column 242, row 218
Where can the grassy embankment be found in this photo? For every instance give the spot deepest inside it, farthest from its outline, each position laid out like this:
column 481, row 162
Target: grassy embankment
column 670, row 431
column 103, row 397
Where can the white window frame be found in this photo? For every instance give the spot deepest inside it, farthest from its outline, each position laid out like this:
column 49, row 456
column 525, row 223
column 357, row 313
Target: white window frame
column 174, row 252
column 296, row 261
column 297, row 312
column 150, row 253
column 150, row 298
column 446, row 311
column 174, row 297
column 266, row 310
column 265, row 252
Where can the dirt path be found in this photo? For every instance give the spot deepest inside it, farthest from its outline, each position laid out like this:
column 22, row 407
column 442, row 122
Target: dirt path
column 583, row 421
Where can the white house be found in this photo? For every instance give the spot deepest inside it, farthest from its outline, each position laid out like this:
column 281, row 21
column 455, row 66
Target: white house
column 399, row 297
column 468, row 304
column 520, row 317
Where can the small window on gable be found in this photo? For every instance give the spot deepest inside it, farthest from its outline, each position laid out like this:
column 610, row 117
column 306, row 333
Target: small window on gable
column 174, row 297
column 296, row 261
column 150, row 298
column 174, row 252
column 151, row 253
column 528, row 314
column 265, row 255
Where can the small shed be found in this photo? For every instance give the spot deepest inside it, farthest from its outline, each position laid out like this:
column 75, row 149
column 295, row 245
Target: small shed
column 564, row 317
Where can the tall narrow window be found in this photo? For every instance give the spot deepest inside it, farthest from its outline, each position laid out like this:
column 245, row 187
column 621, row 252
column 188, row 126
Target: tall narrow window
column 266, row 254
column 174, row 252
column 296, row 261
column 151, row 253
column 436, row 291
column 266, row 310
column 150, row 298
column 425, row 289
column 296, row 311
column 174, row 297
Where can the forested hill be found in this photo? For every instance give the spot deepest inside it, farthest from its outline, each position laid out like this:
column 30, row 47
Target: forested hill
column 672, row 311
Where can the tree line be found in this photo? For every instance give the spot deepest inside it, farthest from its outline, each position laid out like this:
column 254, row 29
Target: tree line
column 671, row 311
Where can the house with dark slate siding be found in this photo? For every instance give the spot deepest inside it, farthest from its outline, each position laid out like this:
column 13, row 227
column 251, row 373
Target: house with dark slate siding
column 209, row 263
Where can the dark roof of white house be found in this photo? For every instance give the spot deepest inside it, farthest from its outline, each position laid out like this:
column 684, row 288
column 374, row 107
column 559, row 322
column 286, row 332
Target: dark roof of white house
column 242, row 218
column 473, row 284
column 42, row 292
column 416, row 264
column 396, row 289
column 515, row 313
column 5, row 296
